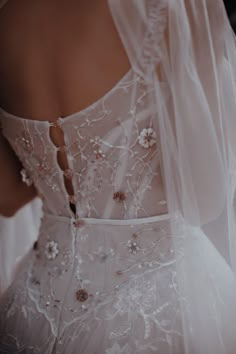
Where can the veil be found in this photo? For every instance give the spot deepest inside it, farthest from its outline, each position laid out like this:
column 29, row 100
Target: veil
column 187, row 49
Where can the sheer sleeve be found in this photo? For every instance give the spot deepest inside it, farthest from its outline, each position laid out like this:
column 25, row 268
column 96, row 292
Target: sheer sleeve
column 192, row 60
column 198, row 142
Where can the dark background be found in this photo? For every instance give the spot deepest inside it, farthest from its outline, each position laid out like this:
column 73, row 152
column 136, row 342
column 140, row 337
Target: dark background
column 231, row 9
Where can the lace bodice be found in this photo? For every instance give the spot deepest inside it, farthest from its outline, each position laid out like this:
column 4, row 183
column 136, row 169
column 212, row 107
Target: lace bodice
column 113, row 154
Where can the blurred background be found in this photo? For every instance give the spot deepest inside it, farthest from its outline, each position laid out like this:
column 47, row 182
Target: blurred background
column 231, row 9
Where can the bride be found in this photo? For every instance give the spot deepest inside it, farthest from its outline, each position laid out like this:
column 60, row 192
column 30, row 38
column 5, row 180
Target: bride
column 121, row 116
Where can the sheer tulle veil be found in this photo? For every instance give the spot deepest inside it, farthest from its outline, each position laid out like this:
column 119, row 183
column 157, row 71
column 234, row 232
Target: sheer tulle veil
column 188, row 48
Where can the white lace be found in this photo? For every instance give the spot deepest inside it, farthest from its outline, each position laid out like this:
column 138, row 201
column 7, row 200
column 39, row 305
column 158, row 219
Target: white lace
column 113, row 175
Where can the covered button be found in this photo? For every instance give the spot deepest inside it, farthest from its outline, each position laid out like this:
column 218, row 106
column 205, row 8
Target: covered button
column 81, row 295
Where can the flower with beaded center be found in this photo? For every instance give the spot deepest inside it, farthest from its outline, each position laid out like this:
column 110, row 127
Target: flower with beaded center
column 99, row 154
column 147, row 138
column 51, row 250
column 133, row 247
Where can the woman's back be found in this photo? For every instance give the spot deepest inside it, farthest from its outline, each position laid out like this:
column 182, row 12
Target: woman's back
column 57, row 57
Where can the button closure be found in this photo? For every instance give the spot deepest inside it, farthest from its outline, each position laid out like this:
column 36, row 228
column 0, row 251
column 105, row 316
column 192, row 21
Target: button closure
column 81, row 295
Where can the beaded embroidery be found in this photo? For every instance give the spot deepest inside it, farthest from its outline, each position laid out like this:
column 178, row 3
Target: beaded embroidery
column 51, row 250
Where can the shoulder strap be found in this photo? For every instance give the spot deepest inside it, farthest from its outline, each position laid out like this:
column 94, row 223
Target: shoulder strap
column 141, row 26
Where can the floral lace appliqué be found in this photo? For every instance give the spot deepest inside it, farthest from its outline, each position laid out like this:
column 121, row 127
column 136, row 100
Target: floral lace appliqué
column 147, row 138
column 51, row 250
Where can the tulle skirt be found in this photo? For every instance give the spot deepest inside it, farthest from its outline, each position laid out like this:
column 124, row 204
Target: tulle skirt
column 108, row 286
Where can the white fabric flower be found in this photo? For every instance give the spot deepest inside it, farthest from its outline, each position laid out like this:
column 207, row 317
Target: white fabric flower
column 25, row 177
column 133, row 247
column 51, row 250
column 147, row 138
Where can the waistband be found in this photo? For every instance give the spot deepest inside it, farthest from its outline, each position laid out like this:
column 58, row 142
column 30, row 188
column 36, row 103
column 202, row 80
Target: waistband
column 137, row 221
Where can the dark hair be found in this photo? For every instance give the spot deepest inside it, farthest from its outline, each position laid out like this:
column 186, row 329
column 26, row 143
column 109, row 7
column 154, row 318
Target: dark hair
column 231, row 10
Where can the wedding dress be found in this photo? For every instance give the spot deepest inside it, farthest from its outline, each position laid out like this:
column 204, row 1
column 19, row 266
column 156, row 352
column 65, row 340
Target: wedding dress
column 141, row 258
